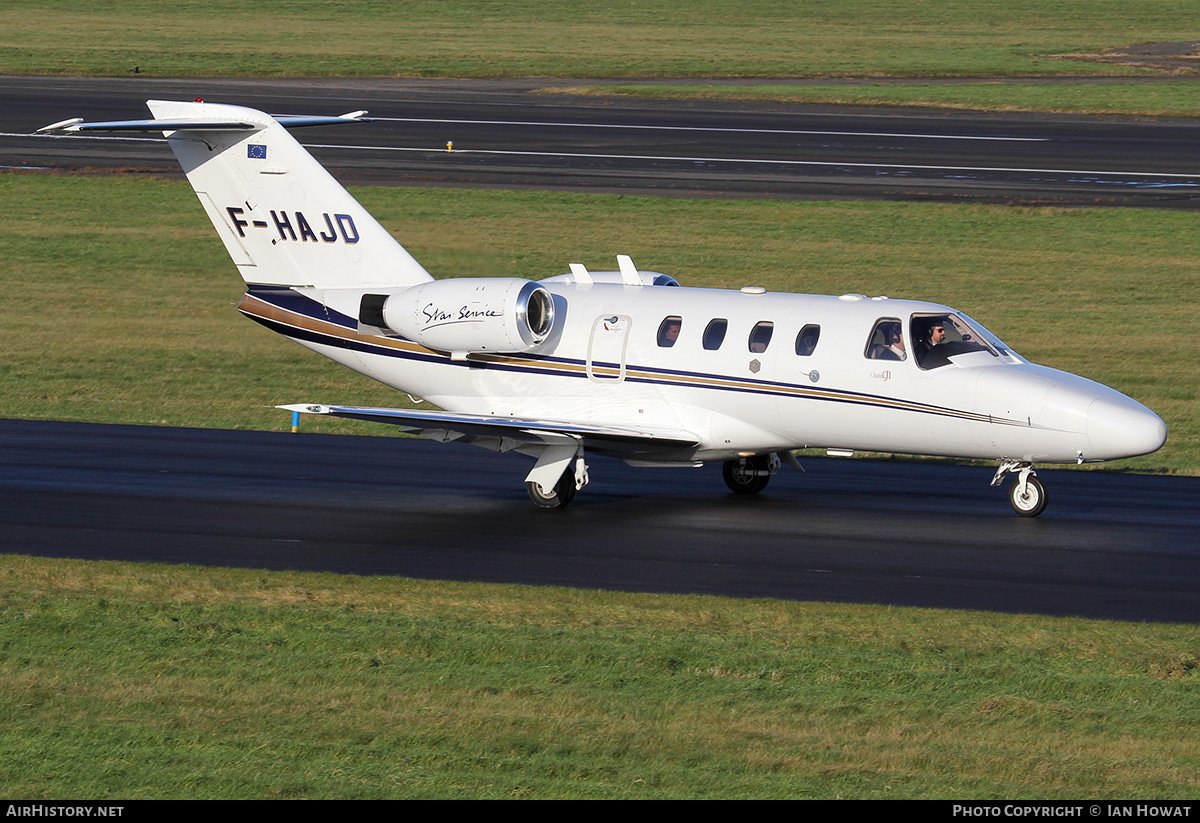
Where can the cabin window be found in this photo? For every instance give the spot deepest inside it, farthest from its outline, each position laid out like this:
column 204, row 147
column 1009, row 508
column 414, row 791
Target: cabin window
column 760, row 336
column 937, row 338
column 806, row 340
column 886, row 341
column 714, row 333
column 668, row 331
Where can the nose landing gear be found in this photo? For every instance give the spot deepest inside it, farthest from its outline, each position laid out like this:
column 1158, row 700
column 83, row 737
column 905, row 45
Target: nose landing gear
column 1027, row 494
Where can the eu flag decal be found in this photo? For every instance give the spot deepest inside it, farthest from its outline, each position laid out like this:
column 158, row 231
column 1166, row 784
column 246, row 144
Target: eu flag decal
column 256, row 152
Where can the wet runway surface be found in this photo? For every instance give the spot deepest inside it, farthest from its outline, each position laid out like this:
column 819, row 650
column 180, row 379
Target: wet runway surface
column 921, row 534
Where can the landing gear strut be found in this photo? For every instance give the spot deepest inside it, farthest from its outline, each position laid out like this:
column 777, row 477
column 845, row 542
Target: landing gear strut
column 1027, row 494
column 750, row 475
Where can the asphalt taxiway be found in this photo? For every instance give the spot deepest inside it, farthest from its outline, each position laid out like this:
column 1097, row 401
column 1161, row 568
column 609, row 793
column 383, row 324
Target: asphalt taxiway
column 505, row 133
column 914, row 534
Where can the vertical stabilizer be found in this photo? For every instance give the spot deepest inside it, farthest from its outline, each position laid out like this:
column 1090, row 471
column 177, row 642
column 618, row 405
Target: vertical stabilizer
column 283, row 218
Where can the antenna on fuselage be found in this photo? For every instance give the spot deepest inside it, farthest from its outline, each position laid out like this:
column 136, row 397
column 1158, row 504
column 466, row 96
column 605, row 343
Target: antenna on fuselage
column 629, row 272
column 582, row 275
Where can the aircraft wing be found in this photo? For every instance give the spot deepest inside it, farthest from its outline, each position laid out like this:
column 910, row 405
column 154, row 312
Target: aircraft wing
column 509, row 433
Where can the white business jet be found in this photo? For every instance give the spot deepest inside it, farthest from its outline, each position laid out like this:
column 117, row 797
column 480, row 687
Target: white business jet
column 622, row 363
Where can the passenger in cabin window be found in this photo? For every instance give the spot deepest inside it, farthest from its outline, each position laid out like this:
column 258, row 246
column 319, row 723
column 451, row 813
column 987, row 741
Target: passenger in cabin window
column 806, row 341
column 668, row 332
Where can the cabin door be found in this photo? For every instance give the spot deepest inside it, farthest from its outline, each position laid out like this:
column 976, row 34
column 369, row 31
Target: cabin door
column 607, row 347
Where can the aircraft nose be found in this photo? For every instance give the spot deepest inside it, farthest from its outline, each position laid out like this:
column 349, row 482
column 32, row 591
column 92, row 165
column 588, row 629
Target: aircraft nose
column 1121, row 427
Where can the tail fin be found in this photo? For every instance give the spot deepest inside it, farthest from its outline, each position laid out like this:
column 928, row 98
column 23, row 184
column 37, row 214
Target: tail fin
column 283, row 218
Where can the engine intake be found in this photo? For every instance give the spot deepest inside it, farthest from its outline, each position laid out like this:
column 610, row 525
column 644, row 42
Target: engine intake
column 475, row 314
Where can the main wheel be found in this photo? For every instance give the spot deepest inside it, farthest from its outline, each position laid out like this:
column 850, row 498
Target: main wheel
column 1033, row 501
column 747, row 475
column 562, row 493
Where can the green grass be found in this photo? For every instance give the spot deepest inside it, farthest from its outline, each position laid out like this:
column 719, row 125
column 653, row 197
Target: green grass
column 122, row 298
column 605, row 38
column 623, row 38
column 124, row 681
column 1175, row 98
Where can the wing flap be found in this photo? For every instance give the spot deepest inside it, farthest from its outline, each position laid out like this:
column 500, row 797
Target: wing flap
column 515, row 431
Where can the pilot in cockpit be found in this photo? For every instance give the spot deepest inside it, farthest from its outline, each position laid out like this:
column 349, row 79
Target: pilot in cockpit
column 891, row 346
column 930, row 333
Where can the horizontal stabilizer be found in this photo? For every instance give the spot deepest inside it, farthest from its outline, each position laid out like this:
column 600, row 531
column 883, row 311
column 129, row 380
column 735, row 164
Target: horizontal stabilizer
column 291, row 121
column 75, row 125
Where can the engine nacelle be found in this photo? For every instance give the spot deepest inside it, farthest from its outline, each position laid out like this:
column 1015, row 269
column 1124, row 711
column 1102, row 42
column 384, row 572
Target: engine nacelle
column 478, row 314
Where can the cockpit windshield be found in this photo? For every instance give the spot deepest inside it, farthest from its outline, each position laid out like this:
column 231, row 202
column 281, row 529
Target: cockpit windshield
column 939, row 337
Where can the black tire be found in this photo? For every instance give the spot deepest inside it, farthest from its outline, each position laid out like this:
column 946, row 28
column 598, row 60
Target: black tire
column 1034, row 500
column 562, row 494
column 742, row 475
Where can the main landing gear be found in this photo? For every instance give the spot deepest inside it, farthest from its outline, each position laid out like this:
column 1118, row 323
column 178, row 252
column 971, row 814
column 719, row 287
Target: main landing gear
column 560, row 495
column 750, row 475
column 1027, row 494
column 559, row 473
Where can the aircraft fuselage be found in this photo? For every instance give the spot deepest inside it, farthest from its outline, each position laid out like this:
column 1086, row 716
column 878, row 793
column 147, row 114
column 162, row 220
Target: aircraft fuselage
column 606, row 363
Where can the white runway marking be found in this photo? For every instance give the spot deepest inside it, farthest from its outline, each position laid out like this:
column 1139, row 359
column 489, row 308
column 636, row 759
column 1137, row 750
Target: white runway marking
column 711, row 129
column 822, row 163
column 697, row 159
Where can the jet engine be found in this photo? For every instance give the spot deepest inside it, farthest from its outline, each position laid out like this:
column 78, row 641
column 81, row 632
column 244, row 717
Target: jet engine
column 479, row 314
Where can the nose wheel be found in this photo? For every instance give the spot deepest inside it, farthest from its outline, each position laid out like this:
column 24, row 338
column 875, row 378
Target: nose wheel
column 1028, row 499
column 1027, row 494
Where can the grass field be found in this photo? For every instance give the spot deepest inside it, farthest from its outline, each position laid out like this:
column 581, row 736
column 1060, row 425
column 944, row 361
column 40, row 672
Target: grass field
column 129, row 681
column 605, row 38
column 126, row 308
column 644, row 38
